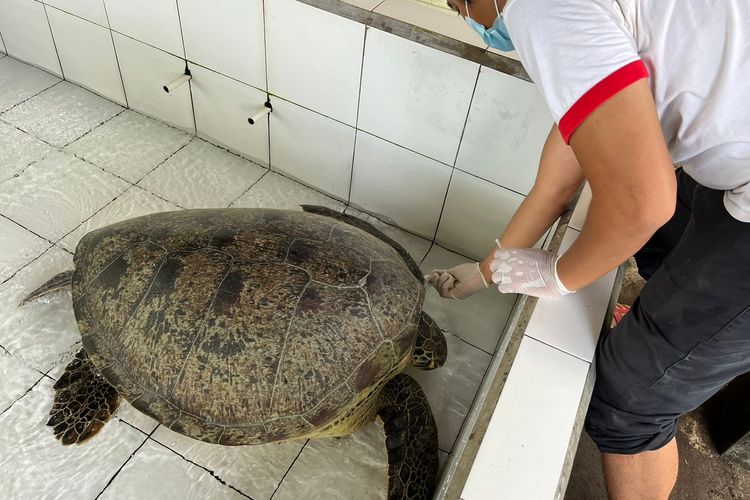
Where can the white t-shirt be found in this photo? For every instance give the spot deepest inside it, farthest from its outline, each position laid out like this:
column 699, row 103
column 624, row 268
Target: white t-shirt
column 696, row 54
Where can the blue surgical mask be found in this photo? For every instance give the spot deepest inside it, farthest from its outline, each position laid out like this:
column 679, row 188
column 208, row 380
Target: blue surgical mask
column 497, row 36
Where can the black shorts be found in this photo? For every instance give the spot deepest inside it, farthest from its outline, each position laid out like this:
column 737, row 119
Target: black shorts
column 688, row 333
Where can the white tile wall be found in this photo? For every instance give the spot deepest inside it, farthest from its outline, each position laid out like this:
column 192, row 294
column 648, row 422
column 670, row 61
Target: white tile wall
column 314, row 58
column 414, row 95
column 87, row 54
column 2, row 45
column 475, row 213
column 507, row 126
column 27, row 35
column 145, row 70
column 312, row 148
column 155, row 22
column 19, row 81
column 523, row 451
column 226, row 37
column 403, row 187
column 222, row 107
column 93, row 10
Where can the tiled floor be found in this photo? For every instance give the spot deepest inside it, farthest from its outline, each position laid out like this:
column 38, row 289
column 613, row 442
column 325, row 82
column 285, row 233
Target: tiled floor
column 70, row 162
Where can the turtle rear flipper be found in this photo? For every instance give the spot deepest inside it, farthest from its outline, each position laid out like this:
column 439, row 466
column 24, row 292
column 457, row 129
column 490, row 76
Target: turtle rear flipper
column 59, row 282
column 84, row 401
column 368, row 228
column 411, row 440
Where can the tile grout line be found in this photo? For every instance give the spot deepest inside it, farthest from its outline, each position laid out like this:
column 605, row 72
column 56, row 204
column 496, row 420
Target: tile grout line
column 54, row 44
column 125, row 463
column 473, row 400
column 356, row 118
column 557, row 348
column 187, row 69
column 30, row 97
column 472, row 345
column 92, row 128
column 117, row 58
column 19, row 398
column 249, row 188
column 287, row 471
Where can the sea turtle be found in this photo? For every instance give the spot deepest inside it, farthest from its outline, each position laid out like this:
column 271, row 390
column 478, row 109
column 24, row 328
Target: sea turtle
column 247, row 326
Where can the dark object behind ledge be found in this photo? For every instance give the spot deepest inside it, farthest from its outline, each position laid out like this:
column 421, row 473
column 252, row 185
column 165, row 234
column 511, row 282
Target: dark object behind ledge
column 728, row 419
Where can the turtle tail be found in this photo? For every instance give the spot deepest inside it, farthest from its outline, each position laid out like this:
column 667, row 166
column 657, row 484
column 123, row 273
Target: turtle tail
column 368, row 228
column 84, row 401
column 59, row 282
column 411, row 440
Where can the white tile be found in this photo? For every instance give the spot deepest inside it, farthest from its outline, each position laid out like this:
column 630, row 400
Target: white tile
column 414, row 95
column 507, row 126
column 19, row 247
column 523, row 451
column 228, row 39
column 222, row 109
column 130, row 145
column 155, row 22
column 53, row 196
column 451, row 388
column 17, row 150
column 439, row 19
column 268, row 462
column 202, row 175
column 573, row 323
column 480, row 319
column 36, row 465
column 87, row 54
column 132, row 203
column 61, row 114
column 345, row 468
column 276, row 191
column 17, row 379
column 582, row 208
column 145, row 71
column 402, row 186
column 92, row 10
column 312, row 148
column 3, row 50
column 476, row 212
column 322, row 73
column 19, row 81
column 415, row 245
column 26, row 34
column 42, row 334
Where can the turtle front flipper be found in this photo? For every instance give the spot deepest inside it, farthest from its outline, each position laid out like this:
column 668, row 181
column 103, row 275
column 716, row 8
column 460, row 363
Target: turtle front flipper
column 411, row 440
column 84, row 401
column 59, row 282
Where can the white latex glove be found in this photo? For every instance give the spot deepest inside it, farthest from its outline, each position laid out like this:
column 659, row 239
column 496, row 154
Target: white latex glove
column 529, row 271
column 458, row 282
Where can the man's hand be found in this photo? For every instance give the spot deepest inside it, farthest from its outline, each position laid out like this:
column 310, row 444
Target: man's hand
column 458, row 282
column 529, row 271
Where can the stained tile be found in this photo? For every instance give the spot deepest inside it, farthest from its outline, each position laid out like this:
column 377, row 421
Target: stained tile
column 404, row 187
column 475, row 213
column 222, row 109
column 19, row 247
column 19, row 81
column 202, row 175
column 531, row 425
column 132, row 203
column 479, row 319
column 276, row 191
column 17, row 150
column 26, row 34
column 228, row 40
column 254, row 470
column 42, row 466
column 83, row 45
column 51, row 197
column 145, row 71
column 415, row 245
column 312, row 148
column 424, row 105
column 44, row 333
column 155, row 22
column 61, row 114
column 322, row 74
column 507, row 126
column 130, row 145
column 91, row 10
column 17, row 379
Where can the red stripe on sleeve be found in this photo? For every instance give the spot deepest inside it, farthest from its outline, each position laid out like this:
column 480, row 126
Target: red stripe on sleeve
column 598, row 94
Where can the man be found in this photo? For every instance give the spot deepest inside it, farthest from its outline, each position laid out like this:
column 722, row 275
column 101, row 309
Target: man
column 634, row 86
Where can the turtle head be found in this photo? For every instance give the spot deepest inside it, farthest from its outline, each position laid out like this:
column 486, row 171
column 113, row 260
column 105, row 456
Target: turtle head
column 430, row 348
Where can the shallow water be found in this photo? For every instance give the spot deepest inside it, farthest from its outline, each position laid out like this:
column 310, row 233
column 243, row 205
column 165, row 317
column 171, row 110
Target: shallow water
column 50, row 196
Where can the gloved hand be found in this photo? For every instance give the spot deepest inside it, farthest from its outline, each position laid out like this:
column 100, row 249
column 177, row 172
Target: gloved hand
column 458, row 282
column 529, row 271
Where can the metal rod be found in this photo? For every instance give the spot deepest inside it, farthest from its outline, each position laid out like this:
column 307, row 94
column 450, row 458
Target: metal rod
column 176, row 83
column 260, row 114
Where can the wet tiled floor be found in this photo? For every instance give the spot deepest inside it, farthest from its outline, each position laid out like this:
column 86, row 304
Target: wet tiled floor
column 70, row 162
